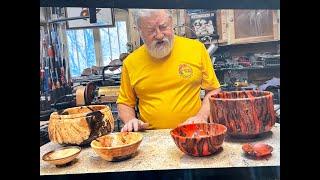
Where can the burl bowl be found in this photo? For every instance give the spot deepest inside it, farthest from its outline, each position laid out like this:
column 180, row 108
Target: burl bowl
column 245, row 113
column 200, row 139
column 80, row 125
column 117, row 146
column 62, row 156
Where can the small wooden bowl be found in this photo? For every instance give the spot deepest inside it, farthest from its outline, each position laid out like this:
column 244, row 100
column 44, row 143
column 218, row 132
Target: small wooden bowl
column 61, row 156
column 257, row 150
column 114, row 151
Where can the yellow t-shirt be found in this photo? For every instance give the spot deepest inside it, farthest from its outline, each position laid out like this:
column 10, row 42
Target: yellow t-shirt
column 168, row 90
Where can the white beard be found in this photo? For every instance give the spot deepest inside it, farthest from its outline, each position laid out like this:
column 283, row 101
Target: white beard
column 162, row 50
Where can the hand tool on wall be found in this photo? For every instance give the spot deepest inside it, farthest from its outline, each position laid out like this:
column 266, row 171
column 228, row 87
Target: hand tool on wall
column 41, row 62
column 50, row 58
column 54, row 58
column 48, row 84
column 62, row 62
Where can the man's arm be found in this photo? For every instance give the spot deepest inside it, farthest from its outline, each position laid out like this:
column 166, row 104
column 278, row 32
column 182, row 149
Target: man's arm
column 204, row 112
column 126, row 113
column 128, row 116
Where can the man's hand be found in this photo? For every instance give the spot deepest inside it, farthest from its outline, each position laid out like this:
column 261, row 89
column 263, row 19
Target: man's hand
column 134, row 125
column 195, row 119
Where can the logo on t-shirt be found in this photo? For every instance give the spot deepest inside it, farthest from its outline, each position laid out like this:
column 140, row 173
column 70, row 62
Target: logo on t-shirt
column 185, row 71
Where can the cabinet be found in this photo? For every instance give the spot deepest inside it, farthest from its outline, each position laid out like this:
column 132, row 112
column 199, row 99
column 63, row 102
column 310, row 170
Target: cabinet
column 248, row 26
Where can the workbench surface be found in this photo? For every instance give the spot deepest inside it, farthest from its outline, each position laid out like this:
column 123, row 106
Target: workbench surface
column 158, row 152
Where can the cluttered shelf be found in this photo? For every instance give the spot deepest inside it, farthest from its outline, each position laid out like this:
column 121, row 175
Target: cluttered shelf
column 246, row 43
column 249, row 68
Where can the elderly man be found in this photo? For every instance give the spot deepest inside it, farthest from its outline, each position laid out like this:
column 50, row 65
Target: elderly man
column 164, row 77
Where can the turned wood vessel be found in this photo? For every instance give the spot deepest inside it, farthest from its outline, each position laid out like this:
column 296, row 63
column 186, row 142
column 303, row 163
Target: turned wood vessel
column 244, row 113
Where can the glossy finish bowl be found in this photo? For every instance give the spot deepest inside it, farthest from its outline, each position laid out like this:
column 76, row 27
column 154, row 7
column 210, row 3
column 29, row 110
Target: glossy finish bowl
column 257, row 150
column 200, row 139
column 244, row 113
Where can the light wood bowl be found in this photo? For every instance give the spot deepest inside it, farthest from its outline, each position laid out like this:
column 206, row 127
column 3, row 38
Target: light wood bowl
column 80, row 125
column 48, row 157
column 117, row 152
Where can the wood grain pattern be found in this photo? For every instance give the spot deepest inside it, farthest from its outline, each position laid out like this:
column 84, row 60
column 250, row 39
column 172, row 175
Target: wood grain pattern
column 200, row 139
column 245, row 113
column 117, row 153
column 80, row 125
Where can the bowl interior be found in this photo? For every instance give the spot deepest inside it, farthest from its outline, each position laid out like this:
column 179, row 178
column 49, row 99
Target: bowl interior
column 199, row 130
column 116, row 140
column 240, row 94
column 62, row 153
column 81, row 109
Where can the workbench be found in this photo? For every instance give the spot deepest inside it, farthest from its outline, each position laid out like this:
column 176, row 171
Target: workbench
column 159, row 152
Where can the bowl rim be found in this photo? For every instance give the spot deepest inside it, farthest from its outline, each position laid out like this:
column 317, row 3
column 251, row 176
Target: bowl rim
column 205, row 136
column 59, row 149
column 253, row 144
column 117, row 147
column 239, row 99
column 77, row 115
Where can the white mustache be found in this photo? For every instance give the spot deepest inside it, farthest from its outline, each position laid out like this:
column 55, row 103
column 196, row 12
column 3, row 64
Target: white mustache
column 160, row 48
column 155, row 44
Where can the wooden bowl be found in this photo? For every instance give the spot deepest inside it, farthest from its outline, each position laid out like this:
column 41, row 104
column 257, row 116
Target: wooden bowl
column 80, row 125
column 201, row 139
column 62, row 156
column 245, row 113
column 117, row 146
column 257, row 150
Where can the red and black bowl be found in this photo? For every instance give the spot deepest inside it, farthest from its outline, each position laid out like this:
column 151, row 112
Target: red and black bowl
column 200, row 139
column 244, row 113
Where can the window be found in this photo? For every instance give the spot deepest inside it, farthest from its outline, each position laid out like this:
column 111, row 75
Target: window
column 113, row 41
column 81, row 50
column 81, row 46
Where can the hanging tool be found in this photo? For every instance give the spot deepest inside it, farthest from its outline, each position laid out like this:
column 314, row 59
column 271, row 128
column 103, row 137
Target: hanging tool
column 63, row 79
column 41, row 63
column 50, row 56
column 48, row 84
column 54, row 45
column 61, row 57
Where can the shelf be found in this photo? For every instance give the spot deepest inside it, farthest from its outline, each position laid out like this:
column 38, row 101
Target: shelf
column 248, row 68
column 246, row 43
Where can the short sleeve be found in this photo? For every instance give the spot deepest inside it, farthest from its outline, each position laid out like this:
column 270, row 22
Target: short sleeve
column 126, row 95
column 209, row 78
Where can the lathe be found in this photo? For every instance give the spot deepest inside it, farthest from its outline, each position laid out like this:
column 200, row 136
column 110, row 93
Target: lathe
column 93, row 94
column 93, row 89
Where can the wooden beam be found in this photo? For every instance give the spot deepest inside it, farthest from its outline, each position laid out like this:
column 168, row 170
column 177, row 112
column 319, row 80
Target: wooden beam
column 134, row 37
column 179, row 4
column 97, row 47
